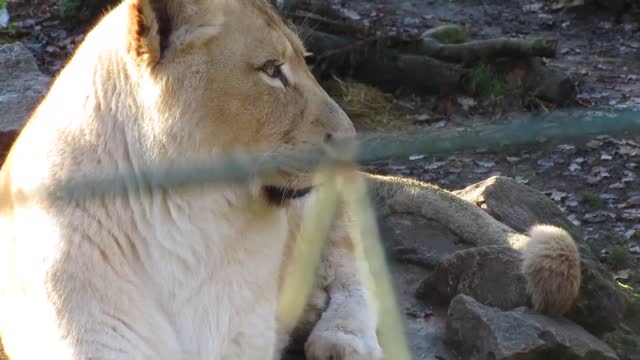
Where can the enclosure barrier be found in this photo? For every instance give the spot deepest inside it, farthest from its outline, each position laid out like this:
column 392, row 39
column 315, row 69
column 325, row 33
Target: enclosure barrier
column 337, row 186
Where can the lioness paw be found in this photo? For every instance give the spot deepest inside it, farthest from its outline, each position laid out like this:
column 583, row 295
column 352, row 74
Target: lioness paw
column 335, row 344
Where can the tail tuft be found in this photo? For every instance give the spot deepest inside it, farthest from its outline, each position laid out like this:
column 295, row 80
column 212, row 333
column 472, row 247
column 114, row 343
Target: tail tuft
column 552, row 268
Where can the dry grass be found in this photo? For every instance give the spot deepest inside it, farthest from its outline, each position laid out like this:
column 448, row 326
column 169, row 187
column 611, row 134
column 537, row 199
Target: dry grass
column 368, row 107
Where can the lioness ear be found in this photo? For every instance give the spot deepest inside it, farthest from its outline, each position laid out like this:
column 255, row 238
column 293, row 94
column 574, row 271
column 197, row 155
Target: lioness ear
column 149, row 28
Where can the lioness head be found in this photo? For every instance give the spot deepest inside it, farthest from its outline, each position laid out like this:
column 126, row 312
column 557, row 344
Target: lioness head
column 226, row 75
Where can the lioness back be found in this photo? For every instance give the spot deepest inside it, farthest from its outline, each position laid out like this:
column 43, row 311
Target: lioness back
column 163, row 273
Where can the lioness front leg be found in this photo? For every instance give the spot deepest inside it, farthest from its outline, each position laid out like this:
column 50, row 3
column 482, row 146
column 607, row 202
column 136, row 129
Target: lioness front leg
column 346, row 329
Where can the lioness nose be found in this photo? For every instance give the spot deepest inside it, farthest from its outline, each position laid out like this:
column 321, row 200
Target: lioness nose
column 338, row 124
column 328, row 138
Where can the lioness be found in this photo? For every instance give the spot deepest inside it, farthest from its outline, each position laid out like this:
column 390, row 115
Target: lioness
column 170, row 273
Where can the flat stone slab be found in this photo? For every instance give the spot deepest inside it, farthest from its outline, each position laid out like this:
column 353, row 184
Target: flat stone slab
column 23, row 86
column 482, row 332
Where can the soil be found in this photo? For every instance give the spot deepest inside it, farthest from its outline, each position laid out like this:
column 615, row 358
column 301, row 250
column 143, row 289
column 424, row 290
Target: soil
column 595, row 182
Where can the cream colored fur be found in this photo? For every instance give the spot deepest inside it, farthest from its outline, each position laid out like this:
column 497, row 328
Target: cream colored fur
column 339, row 309
column 169, row 273
column 190, row 273
column 552, row 268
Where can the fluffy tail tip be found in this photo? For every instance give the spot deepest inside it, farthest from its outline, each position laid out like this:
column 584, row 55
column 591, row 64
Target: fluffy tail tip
column 552, row 268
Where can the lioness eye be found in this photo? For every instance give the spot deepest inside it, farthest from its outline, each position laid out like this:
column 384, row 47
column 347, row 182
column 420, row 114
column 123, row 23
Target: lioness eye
column 273, row 68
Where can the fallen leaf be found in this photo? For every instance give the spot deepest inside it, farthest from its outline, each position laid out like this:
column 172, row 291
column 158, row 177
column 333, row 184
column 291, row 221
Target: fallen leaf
column 516, row 76
column 574, row 167
column 486, row 164
column 622, row 275
column 350, row 14
column 466, row 102
column 535, row 7
column 556, row 195
column 633, row 201
column 434, row 165
column 571, row 203
column 566, row 147
column 423, row 117
column 594, row 144
column 599, row 216
column 631, row 214
column 616, row 186
column 546, row 162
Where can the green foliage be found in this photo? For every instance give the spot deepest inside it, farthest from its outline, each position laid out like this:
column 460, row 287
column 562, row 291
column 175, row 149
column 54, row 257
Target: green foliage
column 626, row 339
column 484, row 82
column 619, row 257
column 3, row 4
column 83, row 10
column 632, row 313
column 591, row 200
column 593, row 248
column 521, row 170
column 447, row 34
column 74, row 10
column 624, row 343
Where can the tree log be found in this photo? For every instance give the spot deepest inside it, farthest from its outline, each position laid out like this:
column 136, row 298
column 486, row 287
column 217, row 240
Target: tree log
column 428, row 66
column 549, row 84
column 486, row 51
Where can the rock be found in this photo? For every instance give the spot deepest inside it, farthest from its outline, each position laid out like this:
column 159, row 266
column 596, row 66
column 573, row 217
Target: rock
column 515, row 205
column 482, row 332
column 409, row 236
column 23, row 86
column 601, row 304
column 490, row 274
column 625, row 342
column 615, row 6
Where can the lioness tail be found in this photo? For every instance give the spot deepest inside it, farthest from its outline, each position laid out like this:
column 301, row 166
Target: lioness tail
column 552, row 268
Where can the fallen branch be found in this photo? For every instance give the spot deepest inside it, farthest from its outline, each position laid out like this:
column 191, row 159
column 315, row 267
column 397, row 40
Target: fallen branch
column 550, row 85
column 391, row 71
column 486, row 51
column 374, row 61
column 440, row 61
column 321, row 23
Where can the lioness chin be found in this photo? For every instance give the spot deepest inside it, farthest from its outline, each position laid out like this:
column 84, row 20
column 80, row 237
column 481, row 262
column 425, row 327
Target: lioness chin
column 171, row 273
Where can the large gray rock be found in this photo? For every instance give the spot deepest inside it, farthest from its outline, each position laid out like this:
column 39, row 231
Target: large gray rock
column 23, row 86
column 601, row 304
column 516, row 205
column 490, row 274
column 481, row 332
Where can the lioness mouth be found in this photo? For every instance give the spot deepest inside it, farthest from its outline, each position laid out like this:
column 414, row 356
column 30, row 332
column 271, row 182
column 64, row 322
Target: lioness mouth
column 279, row 195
